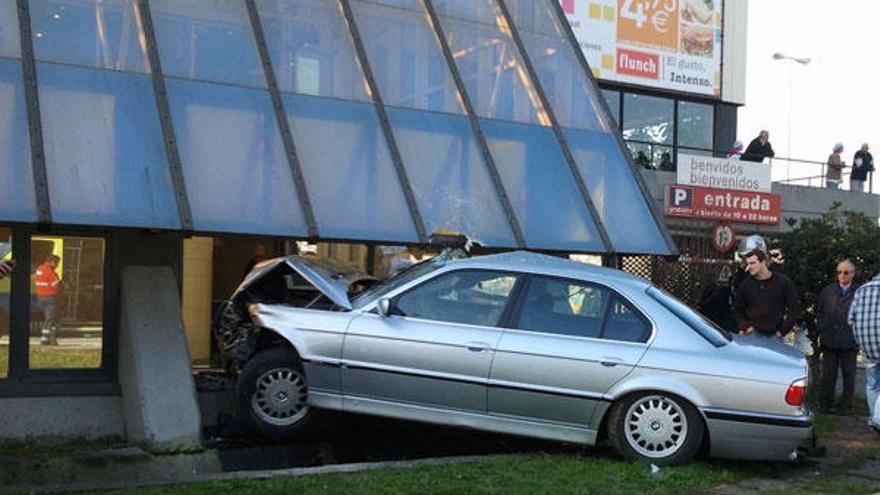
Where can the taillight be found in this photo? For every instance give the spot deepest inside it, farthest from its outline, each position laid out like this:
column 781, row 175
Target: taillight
column 796, row 392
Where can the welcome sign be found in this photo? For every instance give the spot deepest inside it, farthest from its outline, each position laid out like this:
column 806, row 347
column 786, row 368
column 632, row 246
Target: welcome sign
column 722, row 173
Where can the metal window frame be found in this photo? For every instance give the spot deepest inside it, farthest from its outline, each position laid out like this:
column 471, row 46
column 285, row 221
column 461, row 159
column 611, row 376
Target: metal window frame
column 35, row 123
column 296, row 170
column 475, row 126
column 554, row 124
column 399, row 167
column 603, row 105
column 178, row 180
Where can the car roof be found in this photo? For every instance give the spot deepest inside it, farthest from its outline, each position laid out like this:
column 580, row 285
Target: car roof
column 529, row 262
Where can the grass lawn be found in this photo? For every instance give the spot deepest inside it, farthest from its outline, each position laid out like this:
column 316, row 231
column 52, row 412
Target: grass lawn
column 586, row 474
column 55, row 357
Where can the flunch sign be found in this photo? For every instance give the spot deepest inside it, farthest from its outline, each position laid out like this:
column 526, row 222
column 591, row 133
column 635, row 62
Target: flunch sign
column 727, row 205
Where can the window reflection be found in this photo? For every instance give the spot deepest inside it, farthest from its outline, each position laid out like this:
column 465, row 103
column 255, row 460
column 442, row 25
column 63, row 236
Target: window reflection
column 612, row 98
column 695, row 125
column 9, row 37
column 648, row 119
column 5, row 286
column 67, row 302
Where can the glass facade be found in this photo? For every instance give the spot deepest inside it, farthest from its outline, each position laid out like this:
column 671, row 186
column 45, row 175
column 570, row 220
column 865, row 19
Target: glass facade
column 109, row 150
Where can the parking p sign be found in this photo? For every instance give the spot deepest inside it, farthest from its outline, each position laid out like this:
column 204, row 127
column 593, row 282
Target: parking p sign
column 681, row 197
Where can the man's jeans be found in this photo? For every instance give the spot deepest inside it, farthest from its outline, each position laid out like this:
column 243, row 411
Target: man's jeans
column 857, row 185
column 832, row 183
column 872, row 389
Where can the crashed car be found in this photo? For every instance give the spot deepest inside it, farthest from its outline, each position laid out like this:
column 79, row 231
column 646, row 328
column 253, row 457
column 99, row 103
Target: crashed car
column 517, row 343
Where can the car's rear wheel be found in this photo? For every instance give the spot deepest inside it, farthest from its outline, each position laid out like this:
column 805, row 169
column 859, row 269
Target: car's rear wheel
column 656, row 427
column 272, row 394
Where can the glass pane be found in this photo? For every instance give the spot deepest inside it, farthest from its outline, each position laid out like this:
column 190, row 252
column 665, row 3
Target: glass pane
column 623, row 209
column 625, row 324
column 537, row 178
column 470, row 297
column 5, row 286
column 95, row 33
column 652, row 156
column 208, row 40
column 449, row 177
column 16, row 196
column 408, row 64
column 695, row 125
column 571, row 94
column 496, row 80
column 647, row 118
column 358, row 194
column 562, row 307
column 310, row 48
column 67, row 302
column 236, row 170
column 613, row 100
column 9, row 35
column 105, row 155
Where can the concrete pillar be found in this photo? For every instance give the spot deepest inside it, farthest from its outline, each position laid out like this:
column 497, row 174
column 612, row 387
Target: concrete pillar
column 198, row 265
column 158, row 392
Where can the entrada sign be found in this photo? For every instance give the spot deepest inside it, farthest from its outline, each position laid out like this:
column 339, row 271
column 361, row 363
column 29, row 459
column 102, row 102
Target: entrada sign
column 723, row 205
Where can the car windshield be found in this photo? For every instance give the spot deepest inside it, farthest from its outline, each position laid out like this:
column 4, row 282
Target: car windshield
column 403, row 278
column 708, row 330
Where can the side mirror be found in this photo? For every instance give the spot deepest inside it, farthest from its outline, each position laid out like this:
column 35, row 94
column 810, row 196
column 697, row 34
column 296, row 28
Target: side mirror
column 384, row 307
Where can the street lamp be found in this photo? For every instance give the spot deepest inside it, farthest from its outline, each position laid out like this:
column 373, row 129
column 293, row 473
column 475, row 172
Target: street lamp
column 803, row 61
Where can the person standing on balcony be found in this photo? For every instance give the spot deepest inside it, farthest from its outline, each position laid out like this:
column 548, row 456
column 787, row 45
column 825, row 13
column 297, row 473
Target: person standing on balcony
column 863, row 163
column 736, row 152
column 48, row 284
column 834, row 170
column 759, row 148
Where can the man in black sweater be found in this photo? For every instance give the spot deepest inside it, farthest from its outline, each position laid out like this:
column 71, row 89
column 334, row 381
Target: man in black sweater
column 759, row 148
column 766, row 303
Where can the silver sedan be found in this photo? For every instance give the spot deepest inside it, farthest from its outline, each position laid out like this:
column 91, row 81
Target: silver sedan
column 517, row 343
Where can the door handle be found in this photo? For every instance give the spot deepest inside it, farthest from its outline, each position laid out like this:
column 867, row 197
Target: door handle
column 477, row 346
column 610, row 361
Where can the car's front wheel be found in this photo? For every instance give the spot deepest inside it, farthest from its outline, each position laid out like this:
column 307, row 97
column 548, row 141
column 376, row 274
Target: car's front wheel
column 272, row 394
column 656, row 427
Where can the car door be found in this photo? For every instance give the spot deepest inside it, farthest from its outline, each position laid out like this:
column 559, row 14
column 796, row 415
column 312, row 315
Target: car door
column 433, row 349
column 569, row 341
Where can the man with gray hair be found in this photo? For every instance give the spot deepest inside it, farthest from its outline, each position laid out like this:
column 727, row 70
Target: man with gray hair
column 759, row 148
column 864, row 318
column 863, row 163
column 839, row 348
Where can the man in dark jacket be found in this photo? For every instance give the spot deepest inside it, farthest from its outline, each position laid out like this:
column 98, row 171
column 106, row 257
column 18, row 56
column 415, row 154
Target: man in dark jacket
column 839, row 348
column 863, row 163
column 759, row 148
column 766, row 303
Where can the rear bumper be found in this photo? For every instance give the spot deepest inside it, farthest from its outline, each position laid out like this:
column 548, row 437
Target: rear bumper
column 745, row 435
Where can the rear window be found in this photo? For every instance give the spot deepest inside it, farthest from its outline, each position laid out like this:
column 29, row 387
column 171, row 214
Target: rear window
column 705, row 328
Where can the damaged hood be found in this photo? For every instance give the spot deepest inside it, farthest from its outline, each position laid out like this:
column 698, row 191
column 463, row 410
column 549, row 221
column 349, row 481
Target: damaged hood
column 331, row 279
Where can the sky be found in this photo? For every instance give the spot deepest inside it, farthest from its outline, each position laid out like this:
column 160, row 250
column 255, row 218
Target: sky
column 833, row 99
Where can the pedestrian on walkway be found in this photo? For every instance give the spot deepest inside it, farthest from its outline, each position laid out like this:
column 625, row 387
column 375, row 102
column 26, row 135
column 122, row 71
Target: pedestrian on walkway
column 759, row 148
column 863, row 163
column 834, row 169
column 766, row 303
column 47, row 286
column 836, row 340
column 864, row 318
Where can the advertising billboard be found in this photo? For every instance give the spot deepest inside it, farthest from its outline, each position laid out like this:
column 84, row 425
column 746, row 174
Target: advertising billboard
column 723, row 205
column 665, row 44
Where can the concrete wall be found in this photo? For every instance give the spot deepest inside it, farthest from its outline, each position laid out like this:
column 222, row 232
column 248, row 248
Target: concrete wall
column 797, row 202
column 60, row 418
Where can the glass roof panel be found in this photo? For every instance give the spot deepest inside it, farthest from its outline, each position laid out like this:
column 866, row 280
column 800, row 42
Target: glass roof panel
column 570, row 93
column 107, row 34
column 17, row 201
column 409, row 66
column 208, row 40
column 352, row 183
column 9, row 36
column 496, row 79
column 543, row 193
column 311, row 50
column 237, row 175
column 449, row 177
column 105, row 155
column 620, row 203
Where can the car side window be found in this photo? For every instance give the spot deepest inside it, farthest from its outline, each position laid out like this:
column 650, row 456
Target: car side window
column 563, row 307
column 472, row 297
column 625, row 323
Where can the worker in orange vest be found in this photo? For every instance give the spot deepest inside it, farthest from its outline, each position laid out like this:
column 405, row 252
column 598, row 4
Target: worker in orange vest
column 48, row 285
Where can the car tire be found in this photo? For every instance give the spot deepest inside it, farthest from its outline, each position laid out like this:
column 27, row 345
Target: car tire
column 657, row 427
column 272, row 394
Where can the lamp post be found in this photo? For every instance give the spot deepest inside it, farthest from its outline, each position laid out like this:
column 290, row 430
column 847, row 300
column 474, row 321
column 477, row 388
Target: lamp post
column 803, row 61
